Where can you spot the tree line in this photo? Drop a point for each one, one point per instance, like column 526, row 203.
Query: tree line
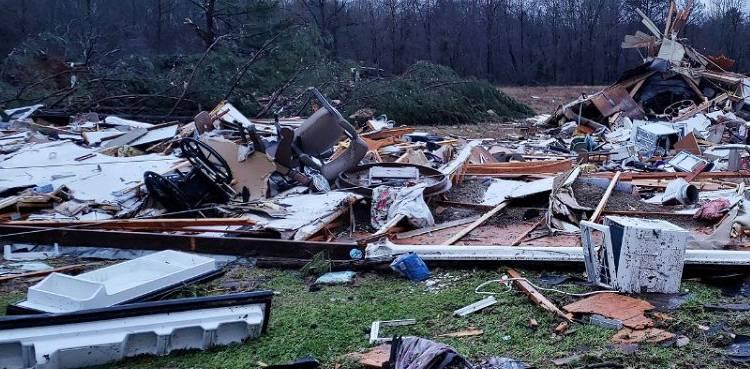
column 532, row 42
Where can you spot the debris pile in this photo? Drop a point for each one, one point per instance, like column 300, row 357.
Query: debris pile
column 636, row 183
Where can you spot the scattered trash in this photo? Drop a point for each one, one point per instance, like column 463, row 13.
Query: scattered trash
column 713, row 210
column 567, row 360
column 666, row 301
column 648, row 175
column 682, row 341
column 10, row 254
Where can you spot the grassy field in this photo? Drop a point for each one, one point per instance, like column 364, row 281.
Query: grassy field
column 334, row 321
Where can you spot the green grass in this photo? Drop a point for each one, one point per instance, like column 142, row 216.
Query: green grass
column 7, row 299
column 334, row 321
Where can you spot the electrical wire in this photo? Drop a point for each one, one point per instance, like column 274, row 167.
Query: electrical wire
column 503, row 281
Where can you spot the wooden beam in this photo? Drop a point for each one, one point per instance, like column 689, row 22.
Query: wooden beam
column 476, row 223
column 526, row 167
column 527, row 232
column 436, row 227
column 535, row 296
column 136, row 223
column 603, row 203
column 236, row 246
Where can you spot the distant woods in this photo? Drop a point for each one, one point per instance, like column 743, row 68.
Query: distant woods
column 505, row 41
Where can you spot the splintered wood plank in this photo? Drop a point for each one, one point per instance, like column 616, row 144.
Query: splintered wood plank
column 435, row 228
column 603, row 203
column 476, row 223
column 466, row 333
column 522, row 237
column 535, row 296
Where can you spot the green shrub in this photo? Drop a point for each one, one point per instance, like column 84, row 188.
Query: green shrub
column 432, row 94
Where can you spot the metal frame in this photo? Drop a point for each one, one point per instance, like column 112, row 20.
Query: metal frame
column 99, row 336
column 600, row 263
column 552, row 254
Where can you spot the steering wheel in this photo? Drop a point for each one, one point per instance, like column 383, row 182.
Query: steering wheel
column 206, row 160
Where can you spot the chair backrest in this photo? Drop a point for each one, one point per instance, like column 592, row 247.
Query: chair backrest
column 347, row 160
column 318, row 133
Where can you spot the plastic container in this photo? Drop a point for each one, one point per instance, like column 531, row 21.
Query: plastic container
column 411, row 266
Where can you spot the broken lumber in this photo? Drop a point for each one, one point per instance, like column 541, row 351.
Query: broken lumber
column 465, row 333
column 516, row 168
column 603, row 203
column 527, row 232
column 390, row 132
column 476, row 223
column 435, row 228
column 535, row 296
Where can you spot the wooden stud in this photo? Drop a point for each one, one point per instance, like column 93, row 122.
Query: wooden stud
column 535, row 296
column 476, row 223
column 603, row 203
